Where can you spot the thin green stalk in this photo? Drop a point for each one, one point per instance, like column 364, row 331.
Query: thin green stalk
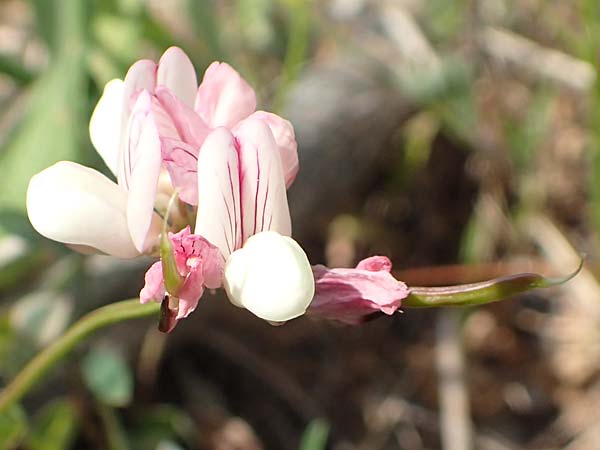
column 43, row 361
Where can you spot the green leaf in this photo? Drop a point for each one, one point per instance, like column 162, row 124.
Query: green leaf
column 315, row 435
column 13, row 426
column 42, row 315
column 480, row 293
column 108, row 376
column 54, row 427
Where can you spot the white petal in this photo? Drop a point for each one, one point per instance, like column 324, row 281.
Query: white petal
column 77, row 205
column 218, row 216
column 143, row 223
column 263, row 193
column 106, row 123
column 271, row 277
column 176, row 72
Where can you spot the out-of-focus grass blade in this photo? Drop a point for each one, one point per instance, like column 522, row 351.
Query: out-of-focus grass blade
column 300, row 22
column 315, row 435
column 54, row 427
column 53, row 128
column 480, row 293
column 205, row 20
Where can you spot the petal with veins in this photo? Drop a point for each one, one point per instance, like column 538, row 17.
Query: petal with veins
column 270, row 276
column 262, row 187
column 224, row 97
column 106, row 123
column 77, row 205
column 176, row 72
column 181, row 161
column 283, row 132
column 218, row 218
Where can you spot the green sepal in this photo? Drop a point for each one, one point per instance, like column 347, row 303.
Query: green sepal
column 172, row 279
column 482, row 292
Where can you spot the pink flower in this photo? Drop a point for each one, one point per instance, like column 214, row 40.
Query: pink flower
column 198, row 264
column 351, row 295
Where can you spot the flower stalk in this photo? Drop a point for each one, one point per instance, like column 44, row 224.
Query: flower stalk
column 84, row 327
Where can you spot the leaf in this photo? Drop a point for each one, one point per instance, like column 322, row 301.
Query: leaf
column 42, row 315
column 108, row 376
column 13, row 426
column 315, row 435
column 480, row 293
column 54, row 427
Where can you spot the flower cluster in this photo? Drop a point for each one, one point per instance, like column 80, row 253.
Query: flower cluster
column 227, row 166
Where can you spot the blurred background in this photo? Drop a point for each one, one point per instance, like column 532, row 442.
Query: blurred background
column 460, row 138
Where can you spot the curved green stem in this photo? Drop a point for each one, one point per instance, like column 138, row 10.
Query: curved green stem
column 43, row 361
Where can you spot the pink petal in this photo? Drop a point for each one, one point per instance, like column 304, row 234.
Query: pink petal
column 351, row 295
column 262, row 187
column 200, row 263
column 283, row 132
column 190, row 127
column 181, row 161
column 375, row 264
column 176, row 72
column 154, row 288
column 224, row 98
column 218, row 217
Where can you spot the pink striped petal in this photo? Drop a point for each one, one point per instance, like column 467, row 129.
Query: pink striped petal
column 224, row 98
column 262, row 187
column 218, row 216
column 176, row 72
column 283, row 132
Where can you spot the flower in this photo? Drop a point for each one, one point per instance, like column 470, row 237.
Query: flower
column 186, row 155
column 352, row 295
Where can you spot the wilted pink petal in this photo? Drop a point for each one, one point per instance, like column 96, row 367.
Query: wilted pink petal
column 154, row 289
column 350, row 295
column 224, row 97
column 375, row 263
column 198, row 262
column 283, row 132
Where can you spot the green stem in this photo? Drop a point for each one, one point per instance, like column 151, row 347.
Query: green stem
column 43, row 361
